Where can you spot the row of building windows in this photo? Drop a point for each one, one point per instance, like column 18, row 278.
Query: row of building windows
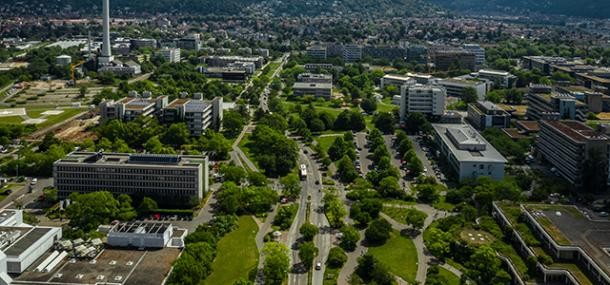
column 113, row 183
column 80, row 169
column 65, row 191
column 98, row 176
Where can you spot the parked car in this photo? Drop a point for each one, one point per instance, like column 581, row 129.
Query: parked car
column 318, row 265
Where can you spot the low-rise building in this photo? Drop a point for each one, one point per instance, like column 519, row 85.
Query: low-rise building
column 228, row 74
column 567, row 144
column 468, row 153
column 417, row 54
column 499, row 79
column 485, row 114
column 545, row 104
column 143, row 43
column 395, row 80
column 171, row 179
column 144, row 235
column 425, row 99
column 323, row 90
column 315, row 78
column 130, row 108
column 225, row 61
column 457, row 87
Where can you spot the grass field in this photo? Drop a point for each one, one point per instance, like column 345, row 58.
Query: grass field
column 327, row 141
column 398, row 214
column 476, row 238
column 331, row 275
column 442, row 205
column 11, row 120
column 386, row 105
column 237, row 254
column 399, row 255
column 451, row 278
column 52, row 120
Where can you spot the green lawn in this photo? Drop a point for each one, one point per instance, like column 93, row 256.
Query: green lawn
column 386, row 105
column 326, row 141
column 237, row 254
column 331, row 275
column 399, row 255
column 244, row 146
column 52, row 120
column 398, row 214
column 443, row 205
column 13, row 120
column 451, row 278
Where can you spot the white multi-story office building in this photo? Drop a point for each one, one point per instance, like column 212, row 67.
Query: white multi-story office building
column 171, row 55
column 425, row 99
column 457, row 87
column 323, row 90
column 171, row 179
column 315, row 78
column 499, row 79
column 468, row 153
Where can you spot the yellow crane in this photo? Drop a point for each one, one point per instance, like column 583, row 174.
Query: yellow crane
column 73, row 71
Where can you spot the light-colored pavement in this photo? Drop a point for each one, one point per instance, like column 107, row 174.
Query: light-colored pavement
column 263, row 229
column 240, row 153
column 352, row 262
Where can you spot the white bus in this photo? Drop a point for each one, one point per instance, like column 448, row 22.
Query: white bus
column 303, row 172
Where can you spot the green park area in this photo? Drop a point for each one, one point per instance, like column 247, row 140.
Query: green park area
column 326, row 141
column 398, row 254
column 451, row 278
column 36, row 112
column 237, row 254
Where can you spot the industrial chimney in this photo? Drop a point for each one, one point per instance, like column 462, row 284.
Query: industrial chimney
column 106, row 57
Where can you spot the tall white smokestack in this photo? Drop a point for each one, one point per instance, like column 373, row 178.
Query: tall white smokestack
column 106, row 52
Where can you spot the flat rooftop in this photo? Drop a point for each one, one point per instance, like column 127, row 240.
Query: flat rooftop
column 26, row 240
column 114, row 266
column 397, row 77
column 307, row 85
column 6, row 214
column 141, row 227
column 575, row 130
column 569, row 226
column 466, row 144
column 132, row 159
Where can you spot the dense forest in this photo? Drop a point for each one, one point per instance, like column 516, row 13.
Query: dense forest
column 583, row 8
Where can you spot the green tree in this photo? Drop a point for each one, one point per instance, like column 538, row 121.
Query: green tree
column 350, row 238
column 309, row 231
column 88, row 211
column 233, row 173
column 346, row 170
column 336, row 257
column 333, row 207
column 217, row 146
column 233, row 122
column 388, row 187
column 291, row 185
column 427, row 193
column 439, row 242
column 307, row 253
column 378, row 232
column 415, row 218
column 384, row 122
column 177, row 135
column 126, row 210
column 257, row 178
column 369, row 105
column 277, row 263
column 147, row 205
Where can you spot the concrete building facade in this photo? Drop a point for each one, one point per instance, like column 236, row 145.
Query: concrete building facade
column 567, row 144
column 171, row 179
column 468, row 153
column 485, row 114
column 425, row 99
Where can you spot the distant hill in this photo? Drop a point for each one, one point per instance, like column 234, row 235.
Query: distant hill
column 226, row 7
column 580, row 8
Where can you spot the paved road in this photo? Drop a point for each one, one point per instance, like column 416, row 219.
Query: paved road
column 323, row 239
column 352, row 262
column 263, row 229
column 265, row 96
column 365, row 162
column 23, row 196
column 298, row 276
column 238, row 153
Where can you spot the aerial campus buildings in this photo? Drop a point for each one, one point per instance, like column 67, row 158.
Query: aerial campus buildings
column 467, row 153
column 170, row 179
column 198, row 114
